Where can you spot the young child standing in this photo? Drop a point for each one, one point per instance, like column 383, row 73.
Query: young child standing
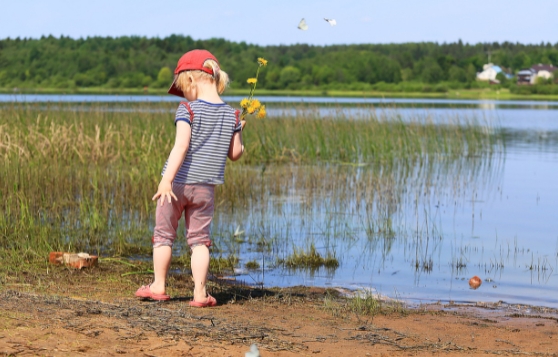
column 207, row 132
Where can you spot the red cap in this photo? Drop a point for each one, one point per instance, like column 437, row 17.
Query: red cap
column 191, row 61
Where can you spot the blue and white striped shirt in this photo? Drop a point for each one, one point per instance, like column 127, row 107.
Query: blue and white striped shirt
column 213, row 126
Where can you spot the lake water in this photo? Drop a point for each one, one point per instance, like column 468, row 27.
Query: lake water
column 416, row 233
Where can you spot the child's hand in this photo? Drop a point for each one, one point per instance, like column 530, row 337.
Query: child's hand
column 243, row 123
column 164, row 191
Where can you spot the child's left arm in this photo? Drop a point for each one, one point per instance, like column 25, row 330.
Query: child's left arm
column 176, row 157
column 236, row 148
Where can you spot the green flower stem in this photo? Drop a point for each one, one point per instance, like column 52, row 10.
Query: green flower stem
column 255, row 84
column 244, row 111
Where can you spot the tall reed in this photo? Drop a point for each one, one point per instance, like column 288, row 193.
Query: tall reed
column 307, row 137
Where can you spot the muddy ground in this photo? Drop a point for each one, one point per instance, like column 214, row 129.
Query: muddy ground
column 57, row 311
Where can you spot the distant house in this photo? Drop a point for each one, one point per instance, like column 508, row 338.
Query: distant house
column 545, row 71
column 530, row 75
column 489, row 73
column 526, row 76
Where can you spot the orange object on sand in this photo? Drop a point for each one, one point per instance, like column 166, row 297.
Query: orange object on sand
column 74, row 260
column 475, row 282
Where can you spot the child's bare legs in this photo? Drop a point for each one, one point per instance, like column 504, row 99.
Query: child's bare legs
column 161, row 262
column 200, row 268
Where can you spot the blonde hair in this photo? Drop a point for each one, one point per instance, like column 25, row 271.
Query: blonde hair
column 186, row 79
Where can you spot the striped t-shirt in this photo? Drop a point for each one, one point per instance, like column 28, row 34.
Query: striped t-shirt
column 213, row 126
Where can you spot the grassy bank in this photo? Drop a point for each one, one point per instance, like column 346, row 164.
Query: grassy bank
column 482, row 93
column 81, row 178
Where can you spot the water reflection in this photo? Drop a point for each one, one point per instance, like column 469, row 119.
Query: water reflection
column 370, row 217
column 381, row 101
column 534, row 140
column 415, row 229
column 516, row 115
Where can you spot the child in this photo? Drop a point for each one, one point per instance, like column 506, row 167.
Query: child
column 207, row 132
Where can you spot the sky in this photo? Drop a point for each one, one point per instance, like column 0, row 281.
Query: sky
column 275, row 22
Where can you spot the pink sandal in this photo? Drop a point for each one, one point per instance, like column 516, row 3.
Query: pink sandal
column 145, row 293
column 211, row 301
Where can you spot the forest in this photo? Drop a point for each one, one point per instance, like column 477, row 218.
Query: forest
column 140, row 62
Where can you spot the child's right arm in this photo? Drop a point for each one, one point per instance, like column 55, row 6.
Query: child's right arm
column 176, row 157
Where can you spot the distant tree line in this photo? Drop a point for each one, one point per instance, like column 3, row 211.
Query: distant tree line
column 132, row 62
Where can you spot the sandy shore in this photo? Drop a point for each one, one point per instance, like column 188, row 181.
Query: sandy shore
column 65, row 312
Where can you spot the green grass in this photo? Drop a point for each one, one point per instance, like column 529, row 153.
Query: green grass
column 367, row 304
column 252, row 265
column 478, row 93
column 363, row 303
column 81, row 177
column 310, row 259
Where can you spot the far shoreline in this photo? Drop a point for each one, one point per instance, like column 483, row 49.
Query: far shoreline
column 466, row 94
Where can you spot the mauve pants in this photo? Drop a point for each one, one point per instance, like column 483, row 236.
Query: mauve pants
column 196, row 201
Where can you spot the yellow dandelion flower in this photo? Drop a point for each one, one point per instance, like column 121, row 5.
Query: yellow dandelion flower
column 261, row 113
column 256, row 104
column 250, row 105
column 262, row 61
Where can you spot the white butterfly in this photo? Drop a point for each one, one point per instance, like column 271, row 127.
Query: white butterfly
column 332, row 22
column 302, row 25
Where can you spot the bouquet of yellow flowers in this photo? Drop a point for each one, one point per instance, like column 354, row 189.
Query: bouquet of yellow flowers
column 251, row 105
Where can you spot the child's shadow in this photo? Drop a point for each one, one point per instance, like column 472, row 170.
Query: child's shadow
column 227, row 294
